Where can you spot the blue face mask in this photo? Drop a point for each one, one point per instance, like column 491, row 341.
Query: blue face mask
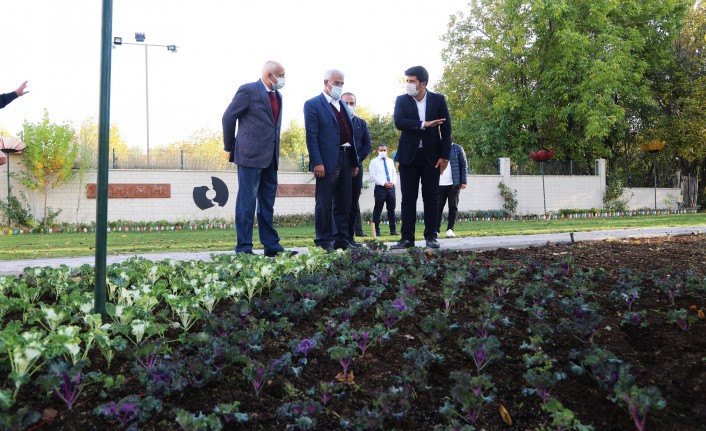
column 279, row 84
column 336, row 92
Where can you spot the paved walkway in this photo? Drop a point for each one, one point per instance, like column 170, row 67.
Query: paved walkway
column 13, row 267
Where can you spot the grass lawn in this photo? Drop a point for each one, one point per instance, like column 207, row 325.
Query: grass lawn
column 29, row 246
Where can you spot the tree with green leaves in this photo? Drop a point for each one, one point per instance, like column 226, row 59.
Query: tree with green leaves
column 569, row 75
column 679, row 117
column 292, row 144
column 49, row 157
column 382, row 130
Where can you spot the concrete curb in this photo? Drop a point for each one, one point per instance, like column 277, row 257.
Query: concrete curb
column 15, row 267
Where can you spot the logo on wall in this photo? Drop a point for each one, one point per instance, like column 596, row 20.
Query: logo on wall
column 206, row 197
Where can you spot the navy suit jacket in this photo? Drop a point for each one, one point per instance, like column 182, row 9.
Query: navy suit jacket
column 363, row 141
column 323, row 137
column 258, row 134
column 436, row 141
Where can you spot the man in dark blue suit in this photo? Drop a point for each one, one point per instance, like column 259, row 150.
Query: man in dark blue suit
column 334, row 161
column 256, row 108
column 363, row 146
column 423, row 153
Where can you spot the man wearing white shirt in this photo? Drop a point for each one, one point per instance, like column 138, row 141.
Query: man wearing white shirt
column 383, row 174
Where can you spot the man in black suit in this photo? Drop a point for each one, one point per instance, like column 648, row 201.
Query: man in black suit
column 363, row 146
column 423, row 153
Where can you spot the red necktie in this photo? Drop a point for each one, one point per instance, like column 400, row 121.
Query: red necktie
column 274, row 104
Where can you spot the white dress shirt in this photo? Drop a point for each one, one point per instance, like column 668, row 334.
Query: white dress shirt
column 377, row 170
column 422, row 110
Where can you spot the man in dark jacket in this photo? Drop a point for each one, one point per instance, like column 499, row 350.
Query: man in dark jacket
column 9, row 97
column 423, row 153
column 451, row 182
column 363, row 146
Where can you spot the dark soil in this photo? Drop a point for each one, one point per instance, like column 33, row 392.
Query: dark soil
column 660, row 355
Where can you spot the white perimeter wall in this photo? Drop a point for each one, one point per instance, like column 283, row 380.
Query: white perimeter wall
column 581, row 192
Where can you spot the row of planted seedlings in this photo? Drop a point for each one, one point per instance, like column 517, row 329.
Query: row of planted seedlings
column 570, row 290
column 161, row 335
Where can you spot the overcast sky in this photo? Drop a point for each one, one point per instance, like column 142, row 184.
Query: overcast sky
column 221, row 45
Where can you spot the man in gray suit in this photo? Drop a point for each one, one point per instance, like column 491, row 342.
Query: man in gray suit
column 256, row 108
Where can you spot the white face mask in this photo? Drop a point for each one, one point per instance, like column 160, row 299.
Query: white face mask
column 279, row 84
column 412, row 90
column 351, row 109
column 382, row 153
column 336, row 92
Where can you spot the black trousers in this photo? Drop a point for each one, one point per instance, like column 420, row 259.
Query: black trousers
column 354, row 225
column 333, row 202
column 449, row 193
column 410, row 177
column 384, row 196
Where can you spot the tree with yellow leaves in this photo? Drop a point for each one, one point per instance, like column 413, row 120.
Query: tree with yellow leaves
column 49, row 157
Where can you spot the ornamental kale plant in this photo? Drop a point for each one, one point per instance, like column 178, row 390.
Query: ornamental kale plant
column 197, row 422
column 483, row 351
column 366, row 337
column 473, row 393
column 562, row 417
column 671, row 284
column 130, row 409
column 540, row 374
column 628, row 288
column 303, row 412
column 343, row 355
column 257, row 374
column 682, row 318
column 583, row 317
column 65, row 381
column 603, row 366
column 436, row 325
column 638, row 400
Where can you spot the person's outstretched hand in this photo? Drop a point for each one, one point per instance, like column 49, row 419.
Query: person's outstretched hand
column 21, row 90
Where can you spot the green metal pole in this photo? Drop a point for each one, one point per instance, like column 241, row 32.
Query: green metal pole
column 103, row 160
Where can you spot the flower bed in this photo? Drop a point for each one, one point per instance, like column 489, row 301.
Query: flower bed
column 608, row 335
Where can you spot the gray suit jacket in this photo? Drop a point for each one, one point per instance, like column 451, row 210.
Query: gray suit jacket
column 257, row 140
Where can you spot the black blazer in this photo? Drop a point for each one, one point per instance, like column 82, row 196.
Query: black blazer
column 436, row 141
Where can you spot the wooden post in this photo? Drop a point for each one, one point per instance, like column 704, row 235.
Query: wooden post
column 372, row 226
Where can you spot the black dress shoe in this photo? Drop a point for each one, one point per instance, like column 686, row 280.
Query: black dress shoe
column 345, row 245
column 327, row 248
column 402, row 244
column 432, row 243
column 355, row 244
column 244, row 252
column 279, row 252
column 361, row 234
column 394, row 233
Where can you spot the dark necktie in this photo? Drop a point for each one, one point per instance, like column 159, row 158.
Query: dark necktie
column 274, row 104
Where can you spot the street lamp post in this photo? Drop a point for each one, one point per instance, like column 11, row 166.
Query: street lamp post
column 140, row 39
